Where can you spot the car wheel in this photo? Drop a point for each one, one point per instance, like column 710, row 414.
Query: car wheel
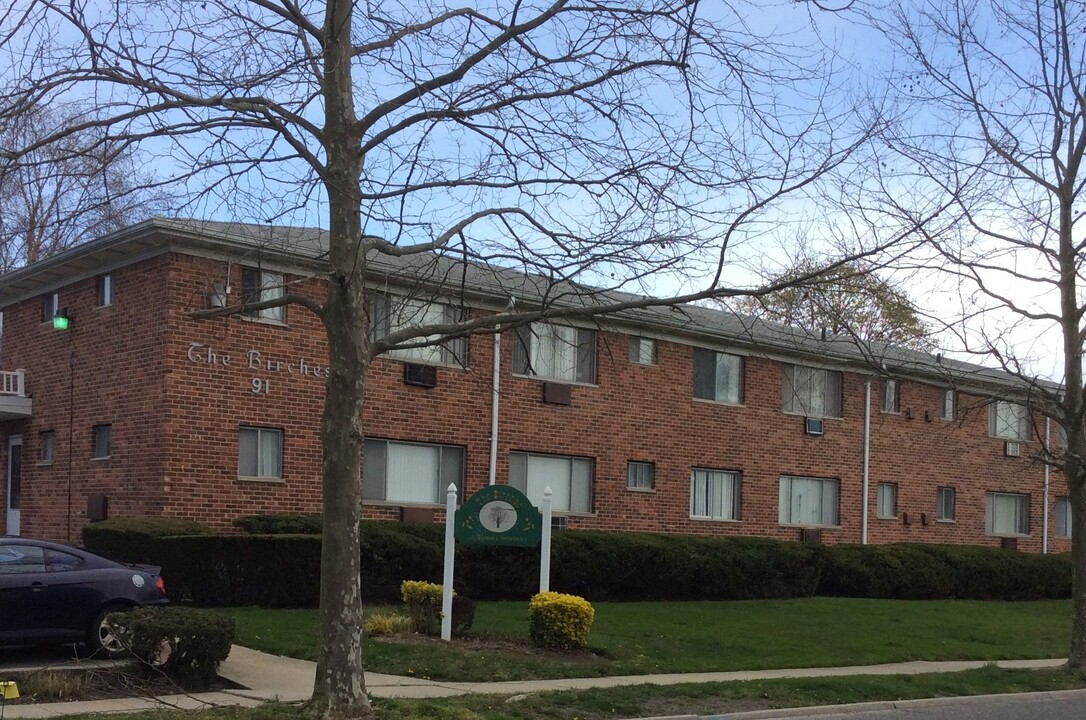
column 102, row 638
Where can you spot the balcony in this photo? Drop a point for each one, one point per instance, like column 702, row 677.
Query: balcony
column 14, row 403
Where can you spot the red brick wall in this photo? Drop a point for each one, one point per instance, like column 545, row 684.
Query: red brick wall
column 183, row 417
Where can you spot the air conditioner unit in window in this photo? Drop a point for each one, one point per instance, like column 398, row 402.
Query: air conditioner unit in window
column 810, row 536
column 812, row 426
column 421, row 375
column 1012, row 449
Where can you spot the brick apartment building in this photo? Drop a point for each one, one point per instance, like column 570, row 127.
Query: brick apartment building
column 682, row 420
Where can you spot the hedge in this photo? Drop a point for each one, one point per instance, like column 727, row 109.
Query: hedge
column 280, row 570
column 132, row 539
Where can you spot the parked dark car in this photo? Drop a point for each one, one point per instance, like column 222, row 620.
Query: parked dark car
column 54, row 594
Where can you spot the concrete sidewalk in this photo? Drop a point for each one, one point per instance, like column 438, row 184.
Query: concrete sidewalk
column 266, row 677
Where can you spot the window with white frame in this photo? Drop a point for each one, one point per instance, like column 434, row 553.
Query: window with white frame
column 1008, row 420
column 411, row 473
column 812, row 392
column 569, row 478
column 948, row 403
column 103, row 442
column 260, row 452
column 1063, row 517
column 1006, row 513
column 50, row 306
column 714, row 494
column 944, row 503
column 640, row 475
column 390, row 313
column 890, row 395
column 555, row 352
column 718, row 376
column 887, row 500
column 263, row 286
column 104, row 286
column 808, row 501
column 47, row 443
column 642, row 350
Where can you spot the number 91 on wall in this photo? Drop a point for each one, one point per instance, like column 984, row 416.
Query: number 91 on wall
column 260, row 386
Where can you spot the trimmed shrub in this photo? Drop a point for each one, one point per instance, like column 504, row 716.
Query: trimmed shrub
column 559, row 621
column 183, row 643
column 423, row 600
column 133, row 539
column 385, row 624
column 280, row 524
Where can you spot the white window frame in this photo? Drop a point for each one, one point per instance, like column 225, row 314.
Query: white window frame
column 571, row 479
column 821, row 496
column 50, row 306
column 560, row 353
column 715, row 494
column 890, row 396
column 811, row 392
column 411, row 473
column 272, row 287
column 642, row 350
column 1006, row 514
column 390, row 313
column 1008, row 421
column 948, row 404
column 105, row 289
column 886, row 502
column 262, row 436
column 1062, row 525
column 940, row 504
column 100, row 433
column 718, row 376
column 640, row 476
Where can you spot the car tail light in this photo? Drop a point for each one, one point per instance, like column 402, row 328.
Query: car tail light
column 160, row 584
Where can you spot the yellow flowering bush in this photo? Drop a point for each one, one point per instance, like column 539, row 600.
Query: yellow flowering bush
column 559, row 621
column 423, row 600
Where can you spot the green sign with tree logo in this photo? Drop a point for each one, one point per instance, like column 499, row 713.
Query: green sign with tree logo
column 499, row 515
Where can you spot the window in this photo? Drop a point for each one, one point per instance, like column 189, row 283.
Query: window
column 890, row 395
column 260, row 452
column 1063, row 517
column 887, row 500
column 46, row 447
column 808, row 501
column 405, row 472
column 640, row 475
column 811, row 391
column 103, row 442
column 570, row 480
column 390, row 313
column 1008, row 420
column 948, row 402
column 718, row 376
column 259, row 286
column 555, row 352
column 714, row 494
column 1006, row 514
column 642, row 351
column 50, row 306
column 105, row 289
column 944, row 503
column 57, row 561
column 19, row 559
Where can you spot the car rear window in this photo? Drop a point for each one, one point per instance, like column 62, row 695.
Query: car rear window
column 56, row 561
column 21, row 559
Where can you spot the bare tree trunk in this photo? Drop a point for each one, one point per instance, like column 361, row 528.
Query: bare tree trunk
column 340, row 688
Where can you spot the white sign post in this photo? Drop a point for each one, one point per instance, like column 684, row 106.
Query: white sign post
column 545, row 543
column 450, row 555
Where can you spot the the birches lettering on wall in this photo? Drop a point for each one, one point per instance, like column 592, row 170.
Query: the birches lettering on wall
column 255, row 360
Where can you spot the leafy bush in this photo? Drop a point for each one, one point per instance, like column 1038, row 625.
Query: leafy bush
column 133, row 539
column 559, row 621
column 280, row 524
column 423, row 600
column 385, row 624
column 184, row 643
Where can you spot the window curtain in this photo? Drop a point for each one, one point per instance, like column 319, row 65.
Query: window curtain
column 714, row 494
column 412, row 472
column 808, row 501
column 1006, row 514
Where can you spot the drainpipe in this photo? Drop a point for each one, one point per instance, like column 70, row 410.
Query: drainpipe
column 867, row 458
column 1044, row 524
column 495, row 396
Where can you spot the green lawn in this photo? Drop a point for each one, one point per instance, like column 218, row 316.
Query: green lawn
column 640, row 638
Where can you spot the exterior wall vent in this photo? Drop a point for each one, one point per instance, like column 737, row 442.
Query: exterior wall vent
column 812, row 426
column 557, row 394
column 810, row 536
column 559, row 522
column 1012, row 449
column 420, row 375
column 1008, row 543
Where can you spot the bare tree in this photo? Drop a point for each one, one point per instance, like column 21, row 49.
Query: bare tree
column 60, row 194
column 997, row 92
column 557, row 151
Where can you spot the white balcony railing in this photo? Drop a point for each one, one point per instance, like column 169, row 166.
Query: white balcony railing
column 12, row 383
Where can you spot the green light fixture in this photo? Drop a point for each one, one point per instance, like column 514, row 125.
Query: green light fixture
column 61, row 320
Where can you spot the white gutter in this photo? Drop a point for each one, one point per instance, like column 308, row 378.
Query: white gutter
column 867, row 458
column 495, row 396
column 1048, row 452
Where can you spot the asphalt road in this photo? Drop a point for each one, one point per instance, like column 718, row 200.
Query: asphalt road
column 51, row 656
column 1063, row 705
